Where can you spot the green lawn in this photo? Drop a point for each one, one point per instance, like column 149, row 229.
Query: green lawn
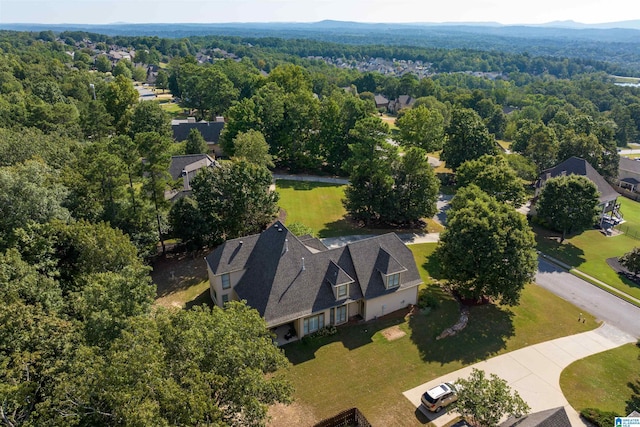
column 608, row 387
column 359, row 367
column 589, row 250
column 316, row 205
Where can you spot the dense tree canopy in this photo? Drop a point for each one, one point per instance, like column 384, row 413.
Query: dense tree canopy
column 422, row 127
column 494, row 176
column 234, row 199
column 467, row 138
column 568, row 203
column 484, row 401
column 487, row 249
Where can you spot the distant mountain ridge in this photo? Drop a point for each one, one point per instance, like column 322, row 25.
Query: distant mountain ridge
column 617, row 42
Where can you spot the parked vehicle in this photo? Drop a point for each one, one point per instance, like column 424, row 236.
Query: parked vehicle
column 439, row 397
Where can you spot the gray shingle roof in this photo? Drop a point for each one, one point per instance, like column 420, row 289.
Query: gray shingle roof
column 629, row 165
column 282, row 286
column 180, row 163
column 555, row 417
column 210, row 130
column 577, row 166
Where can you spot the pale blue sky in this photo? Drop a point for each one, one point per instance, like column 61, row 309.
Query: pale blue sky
column 216, row 11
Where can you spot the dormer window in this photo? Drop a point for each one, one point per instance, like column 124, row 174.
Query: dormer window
column 226, row 281
column 393, row 280
column 342, row 291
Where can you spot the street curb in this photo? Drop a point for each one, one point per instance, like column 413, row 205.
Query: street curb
column 589, row 279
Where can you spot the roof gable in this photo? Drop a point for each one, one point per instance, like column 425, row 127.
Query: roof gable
column 284, row 279
column 629, row 165
column 577, row 166
column 188, row 163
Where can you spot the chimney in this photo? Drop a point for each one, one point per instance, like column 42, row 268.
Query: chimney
column 303, row 264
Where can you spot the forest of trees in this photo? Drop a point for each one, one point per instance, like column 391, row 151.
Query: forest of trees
column 84, row 167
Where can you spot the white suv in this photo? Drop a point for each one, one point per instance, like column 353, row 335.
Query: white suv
column 438, row 397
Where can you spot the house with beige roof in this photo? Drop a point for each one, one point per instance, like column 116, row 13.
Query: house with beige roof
column 300, row 283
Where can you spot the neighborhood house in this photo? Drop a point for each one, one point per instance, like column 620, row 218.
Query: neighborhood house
column 185, row 167
column 299, row 283
column 577, row 166
column 210, row 131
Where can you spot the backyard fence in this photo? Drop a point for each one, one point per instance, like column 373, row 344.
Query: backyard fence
column 631, row 232
column 350, row 417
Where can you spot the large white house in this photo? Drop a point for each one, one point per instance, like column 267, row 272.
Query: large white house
column 297, row 281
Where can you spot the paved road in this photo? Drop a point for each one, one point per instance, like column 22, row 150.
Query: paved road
column 534, row 371
column 592, row 299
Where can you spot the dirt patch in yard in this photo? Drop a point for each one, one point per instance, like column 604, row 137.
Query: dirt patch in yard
column 295, row 414
column 174, row 272
column 393, row 333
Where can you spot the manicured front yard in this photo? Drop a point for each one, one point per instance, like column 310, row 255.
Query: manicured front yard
column 589, row 250
column 359, row 367
column 608, row 384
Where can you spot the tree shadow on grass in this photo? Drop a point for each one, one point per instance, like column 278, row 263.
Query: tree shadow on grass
column 342, row 227
column 203, row 298
column 487, row 332
column 303, row 185
column 549, row 243
column 432, row 265
column 351, row 336
column 633, row 404
column 627, row 277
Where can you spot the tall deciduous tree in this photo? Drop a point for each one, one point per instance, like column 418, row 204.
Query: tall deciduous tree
column 29, row 192
column 484, row 401
column 371, row 183
column 252, row 147
column 415, row 189
column 467, row 138
column 569, row 203
column 488, row 249
column 234, row 199
column 631, row 261
column 119, row 97
column 149, row 117
column 422, row 127
column 494, row 176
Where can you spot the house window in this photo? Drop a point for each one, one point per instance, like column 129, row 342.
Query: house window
column 341, row 291
column 226, row 281
column 393, row 281
column 313, row 324
column 341, row 314
column 225, row 298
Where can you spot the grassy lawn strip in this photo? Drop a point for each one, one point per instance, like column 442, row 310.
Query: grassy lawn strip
column 607, row 386
column 611, row 291
column 588, row 252
column 359, row 367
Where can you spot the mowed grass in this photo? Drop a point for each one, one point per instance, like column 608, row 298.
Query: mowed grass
column 316, row 205
column 183, row 297
column 608, row 386
column 589, row 250
column 359, row 367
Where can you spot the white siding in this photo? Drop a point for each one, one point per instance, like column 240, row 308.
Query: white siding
column 215, row 283
column 389, row 303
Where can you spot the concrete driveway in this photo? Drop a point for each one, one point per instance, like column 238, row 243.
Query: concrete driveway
column 534, row 371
